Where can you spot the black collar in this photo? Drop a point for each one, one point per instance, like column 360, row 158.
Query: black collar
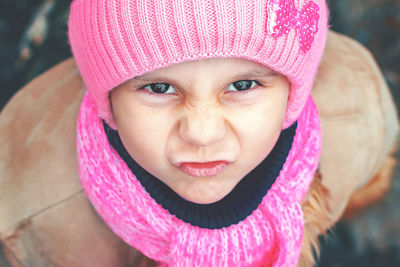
column 234, row 207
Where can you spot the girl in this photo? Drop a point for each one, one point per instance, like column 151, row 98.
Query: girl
column 198, row 137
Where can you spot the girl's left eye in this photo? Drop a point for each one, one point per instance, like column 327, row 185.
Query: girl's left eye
column 159, row 88
column 242, row 85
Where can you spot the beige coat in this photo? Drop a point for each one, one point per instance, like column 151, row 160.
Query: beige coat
column 46, row 219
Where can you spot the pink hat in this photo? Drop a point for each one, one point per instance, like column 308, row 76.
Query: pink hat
column 114, row 41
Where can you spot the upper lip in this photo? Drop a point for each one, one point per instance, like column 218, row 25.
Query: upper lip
column 178, row 164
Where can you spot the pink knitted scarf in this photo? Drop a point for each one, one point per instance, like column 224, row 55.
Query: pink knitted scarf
column 270, row 236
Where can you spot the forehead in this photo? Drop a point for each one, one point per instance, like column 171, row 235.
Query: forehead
column 222, row 66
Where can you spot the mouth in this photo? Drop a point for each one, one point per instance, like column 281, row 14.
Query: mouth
column 203, row 169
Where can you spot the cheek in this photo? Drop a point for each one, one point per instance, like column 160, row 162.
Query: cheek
column 262, row 118
column 259, row 128
column 143, row 132
column 145, row 143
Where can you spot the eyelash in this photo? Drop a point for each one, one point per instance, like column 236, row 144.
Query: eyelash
column 257, row 83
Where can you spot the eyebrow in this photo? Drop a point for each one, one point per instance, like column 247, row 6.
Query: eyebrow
column 257, row 73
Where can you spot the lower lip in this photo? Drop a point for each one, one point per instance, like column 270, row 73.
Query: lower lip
column 204, row 169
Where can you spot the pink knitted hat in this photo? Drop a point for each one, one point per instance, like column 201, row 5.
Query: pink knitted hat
column 114, row 41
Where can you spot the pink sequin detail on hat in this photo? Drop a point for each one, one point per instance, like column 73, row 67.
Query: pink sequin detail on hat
column 283, row 16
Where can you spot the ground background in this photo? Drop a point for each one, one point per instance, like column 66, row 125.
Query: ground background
column 370, row 239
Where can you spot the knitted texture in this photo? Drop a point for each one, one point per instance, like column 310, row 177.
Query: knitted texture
column 114, row 41
column 270, row 236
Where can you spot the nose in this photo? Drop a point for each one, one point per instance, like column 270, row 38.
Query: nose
column 202, row 128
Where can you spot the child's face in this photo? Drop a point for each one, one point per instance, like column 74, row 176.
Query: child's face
column 193, row 112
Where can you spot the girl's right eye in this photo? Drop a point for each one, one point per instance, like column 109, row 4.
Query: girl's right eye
column 159, row 88
column 242, row 85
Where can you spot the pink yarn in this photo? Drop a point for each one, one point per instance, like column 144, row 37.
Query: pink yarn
column 270, row 236
column 114, row 41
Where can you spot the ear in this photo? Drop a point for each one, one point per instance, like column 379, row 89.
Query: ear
column 113, row 123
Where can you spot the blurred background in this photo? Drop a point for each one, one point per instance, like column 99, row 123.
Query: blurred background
column 33, row 39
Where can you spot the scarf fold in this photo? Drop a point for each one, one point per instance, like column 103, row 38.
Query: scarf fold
column 270, row 235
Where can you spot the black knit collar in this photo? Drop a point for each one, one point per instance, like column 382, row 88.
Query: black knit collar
column 234, row 207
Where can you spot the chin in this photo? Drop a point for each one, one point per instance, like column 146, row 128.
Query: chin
column 205, row 195
column 198, row 199
column 206, row 200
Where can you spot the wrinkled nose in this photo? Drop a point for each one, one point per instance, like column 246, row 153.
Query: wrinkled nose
column 202, row 128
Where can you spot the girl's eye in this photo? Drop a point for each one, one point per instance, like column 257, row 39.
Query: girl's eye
column 159, row 88
column 242, row 85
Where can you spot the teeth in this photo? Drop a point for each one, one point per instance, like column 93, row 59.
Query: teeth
column 204, row 171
